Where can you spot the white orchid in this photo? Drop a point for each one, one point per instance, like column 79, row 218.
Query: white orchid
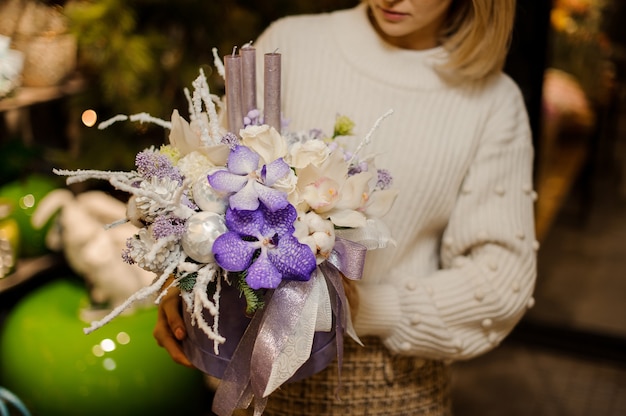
column 379, row 202
column 187, row 138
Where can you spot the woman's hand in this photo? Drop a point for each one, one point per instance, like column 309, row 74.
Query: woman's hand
column 169, row 329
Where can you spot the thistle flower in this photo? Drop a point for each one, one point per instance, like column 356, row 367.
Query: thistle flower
column 152, row 164
column 166, row 226
column 230, row 139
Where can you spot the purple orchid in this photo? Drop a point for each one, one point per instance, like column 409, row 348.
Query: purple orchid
column 248, row 184
column 261, row 242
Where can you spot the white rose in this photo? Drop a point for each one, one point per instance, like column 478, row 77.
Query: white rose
column 313, row 152
column 287, row 183
column 266, row 141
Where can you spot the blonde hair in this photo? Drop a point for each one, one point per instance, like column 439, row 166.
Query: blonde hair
column 478, row 35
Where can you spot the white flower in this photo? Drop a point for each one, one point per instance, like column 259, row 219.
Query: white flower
column 321, row 195
column 347, row 212
column 316, row 232
column 319, row 186
column 182, row 137
column 187, row 138
column 265, row 141
column 287, row 184
column 313, row 152
column 194, row 164
column 379, row 203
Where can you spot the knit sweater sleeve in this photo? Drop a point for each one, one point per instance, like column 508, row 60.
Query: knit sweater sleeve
column 487, row 255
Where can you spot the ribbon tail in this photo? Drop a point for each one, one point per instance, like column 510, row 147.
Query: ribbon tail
column 259, row 405
column 280, row 318
column 298, row 344
column 333, row 277
column 235, row 389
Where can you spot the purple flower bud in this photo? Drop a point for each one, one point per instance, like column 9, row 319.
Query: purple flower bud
column 385, row 180
column 166, row 226
column 151, row 163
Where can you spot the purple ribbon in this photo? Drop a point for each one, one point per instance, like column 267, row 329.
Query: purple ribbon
column 248, row 372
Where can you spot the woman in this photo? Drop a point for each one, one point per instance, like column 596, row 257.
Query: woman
column 459, row 148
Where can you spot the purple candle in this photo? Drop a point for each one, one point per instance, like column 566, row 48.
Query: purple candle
column 248, row 65
column 271, row 94
column 232, row 66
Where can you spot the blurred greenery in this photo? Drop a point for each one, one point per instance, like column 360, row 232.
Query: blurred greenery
column 143, row 52
column 139, row 55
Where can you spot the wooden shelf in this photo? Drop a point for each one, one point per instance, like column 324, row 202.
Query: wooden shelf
column 27, row 96
column 27, row 269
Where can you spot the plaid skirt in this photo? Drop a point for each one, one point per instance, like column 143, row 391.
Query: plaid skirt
column 373, row 382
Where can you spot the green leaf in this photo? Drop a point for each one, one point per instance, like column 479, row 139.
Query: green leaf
column 187, row 283
column 254, row 298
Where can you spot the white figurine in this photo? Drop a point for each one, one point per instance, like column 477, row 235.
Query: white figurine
column 93, row 250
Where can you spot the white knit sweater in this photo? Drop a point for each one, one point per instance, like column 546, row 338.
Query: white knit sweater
column 463, row 271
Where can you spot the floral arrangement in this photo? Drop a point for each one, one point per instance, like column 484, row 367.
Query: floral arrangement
column 281, row 217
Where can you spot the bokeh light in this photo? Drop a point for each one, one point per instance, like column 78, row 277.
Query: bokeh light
column 89, row 118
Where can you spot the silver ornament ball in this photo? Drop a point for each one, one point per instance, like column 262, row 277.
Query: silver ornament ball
column 207, row 198
column 202, row 230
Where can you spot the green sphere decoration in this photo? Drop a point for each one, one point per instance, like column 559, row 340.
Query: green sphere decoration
column 55, row 369
column 22, row 198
